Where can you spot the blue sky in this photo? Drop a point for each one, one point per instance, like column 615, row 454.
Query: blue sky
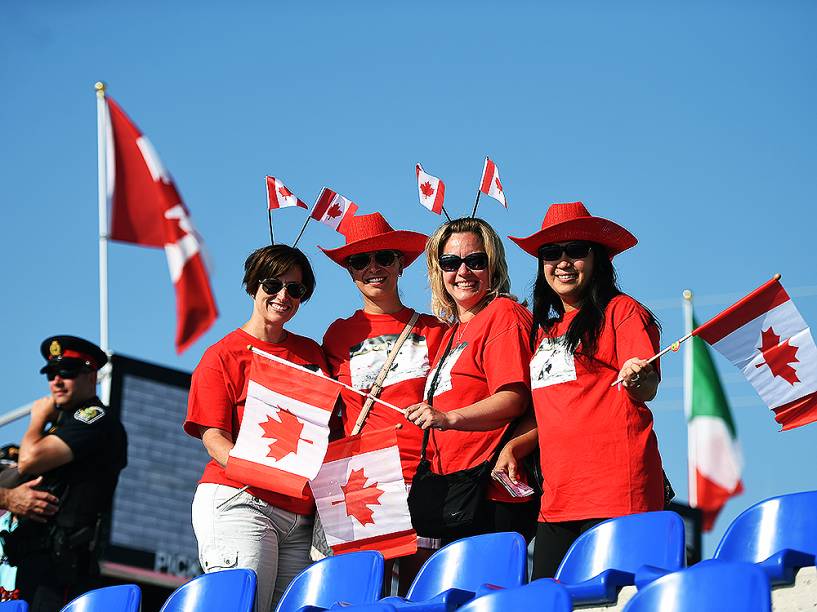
column 690, row 123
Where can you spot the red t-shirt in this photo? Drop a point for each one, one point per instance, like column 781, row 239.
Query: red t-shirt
column 598, row 450
column 489, row 352
column 356, row 349
column 218, row 392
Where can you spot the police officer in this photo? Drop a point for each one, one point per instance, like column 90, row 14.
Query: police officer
column 78, row 447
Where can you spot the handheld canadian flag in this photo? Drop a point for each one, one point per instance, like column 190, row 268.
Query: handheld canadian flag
column 766, row 338
column 431, row 190
column 278, row 196
column 284, row 430
column 333, row 209
column 490, row 184
column 361, row 496
column 147, row 210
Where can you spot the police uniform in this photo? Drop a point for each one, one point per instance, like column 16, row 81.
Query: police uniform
column 57, row 560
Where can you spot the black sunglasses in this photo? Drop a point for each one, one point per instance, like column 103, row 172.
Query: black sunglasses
column 574, row 250
column 66, row 373
column 360, row 261
column 272, row 286
column 474, row 261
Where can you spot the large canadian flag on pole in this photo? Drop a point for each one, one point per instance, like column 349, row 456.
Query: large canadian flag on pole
column 766, row 338
column 490, row 184
column 284, row 430
column 146, row 209
column 361, row 496
column 333, row 209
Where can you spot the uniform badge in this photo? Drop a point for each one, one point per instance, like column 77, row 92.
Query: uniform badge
column 89, row 414
column 55, row 349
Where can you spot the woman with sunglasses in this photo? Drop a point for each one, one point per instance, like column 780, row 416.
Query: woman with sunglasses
column 598, row 452
column 357, row 347
column 483, row 382
column 256, row 529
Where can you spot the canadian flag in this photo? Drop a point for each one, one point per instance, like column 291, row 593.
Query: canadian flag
column 333, row 209
column 278, row 196
column 431, row 190
column 361, row 496
column 146, row 209
column 766, row 338
column 490, row 183
column 284, row 430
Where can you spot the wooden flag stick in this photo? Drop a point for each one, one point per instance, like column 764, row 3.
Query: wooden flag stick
column 232, row 497
column 271, row 234
column 301, row 233
column 337, row 382
column 476, row 203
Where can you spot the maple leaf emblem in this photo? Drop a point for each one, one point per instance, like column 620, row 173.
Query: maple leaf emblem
column 284, row 191
column 427, row 189
column 286, row 433
column 334, row 211
column 498, row 184
column 778, row 356
column 359, row 497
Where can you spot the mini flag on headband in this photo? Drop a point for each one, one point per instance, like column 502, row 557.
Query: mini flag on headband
column 279, row 196
column 490, row 184
column 765, row 336
column 333, row 209
column 431, row 190
column 285, row 426
column 361, row 496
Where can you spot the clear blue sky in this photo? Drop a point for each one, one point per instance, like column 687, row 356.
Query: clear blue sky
column 691, row 123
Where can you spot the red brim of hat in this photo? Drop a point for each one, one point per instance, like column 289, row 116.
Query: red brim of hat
column 410, row 244
column 592, row 229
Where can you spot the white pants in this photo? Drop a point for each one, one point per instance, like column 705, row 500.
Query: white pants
column 250, row 533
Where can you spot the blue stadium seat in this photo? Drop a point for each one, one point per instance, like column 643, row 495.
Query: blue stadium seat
column 351, row 578
column 632, row 549
column 226, row 591
column 124, row 598
column 14, row 605
column 544, row 594
column 779, row 534
column 709, row 586
column 453, row 574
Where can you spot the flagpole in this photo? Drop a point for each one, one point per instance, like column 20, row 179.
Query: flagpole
column 301, row 233
column 688, row 326
column 476, row 203
column 271, row 234
column 445, row 212
column 102, row 198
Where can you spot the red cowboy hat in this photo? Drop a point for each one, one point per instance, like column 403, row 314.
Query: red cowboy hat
column 572, row 221
column 365, row 233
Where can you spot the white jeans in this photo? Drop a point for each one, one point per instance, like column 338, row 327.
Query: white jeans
column 250, row 533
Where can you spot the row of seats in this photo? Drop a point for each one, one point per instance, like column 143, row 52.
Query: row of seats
column 764, row 546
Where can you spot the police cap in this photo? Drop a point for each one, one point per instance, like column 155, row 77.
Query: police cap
column 71, row 352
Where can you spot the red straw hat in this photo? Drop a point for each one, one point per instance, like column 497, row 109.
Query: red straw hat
column 572, row 221
column 365, row 233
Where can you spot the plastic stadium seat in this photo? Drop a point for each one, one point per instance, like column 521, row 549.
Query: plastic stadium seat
column 124, row 598
column 226, row 591
column 13, row 605
column 351, row 578
column 544, row 594
column 779, row 534
column 452, row 575
column 709, row 586
column 632, row 549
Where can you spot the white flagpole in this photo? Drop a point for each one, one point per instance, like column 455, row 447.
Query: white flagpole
column 102, row 197
column 688, row 326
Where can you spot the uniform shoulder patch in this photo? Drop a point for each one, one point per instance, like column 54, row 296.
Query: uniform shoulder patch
column 89, row 414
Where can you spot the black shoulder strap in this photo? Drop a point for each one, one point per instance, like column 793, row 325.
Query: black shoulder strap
column 433, row 387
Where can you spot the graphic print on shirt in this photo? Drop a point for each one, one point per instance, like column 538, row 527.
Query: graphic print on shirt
column 552, row 364
column 444, row 381
column 367, row 358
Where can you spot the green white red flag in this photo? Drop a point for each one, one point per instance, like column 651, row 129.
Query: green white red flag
column 714, row 455
column 765, row 336
column 361, row 496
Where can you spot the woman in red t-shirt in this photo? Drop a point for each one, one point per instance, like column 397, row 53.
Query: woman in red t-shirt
column 357, row 347
column 598, row 452
column 256, row 529
column 484, row 381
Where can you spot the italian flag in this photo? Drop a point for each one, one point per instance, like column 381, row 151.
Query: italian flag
column 715, row 460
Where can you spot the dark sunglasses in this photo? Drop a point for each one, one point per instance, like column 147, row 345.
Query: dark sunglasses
column 65, row 373
column 272, row 286
column 360, row 261
column 574, row 250
column 474, row 261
